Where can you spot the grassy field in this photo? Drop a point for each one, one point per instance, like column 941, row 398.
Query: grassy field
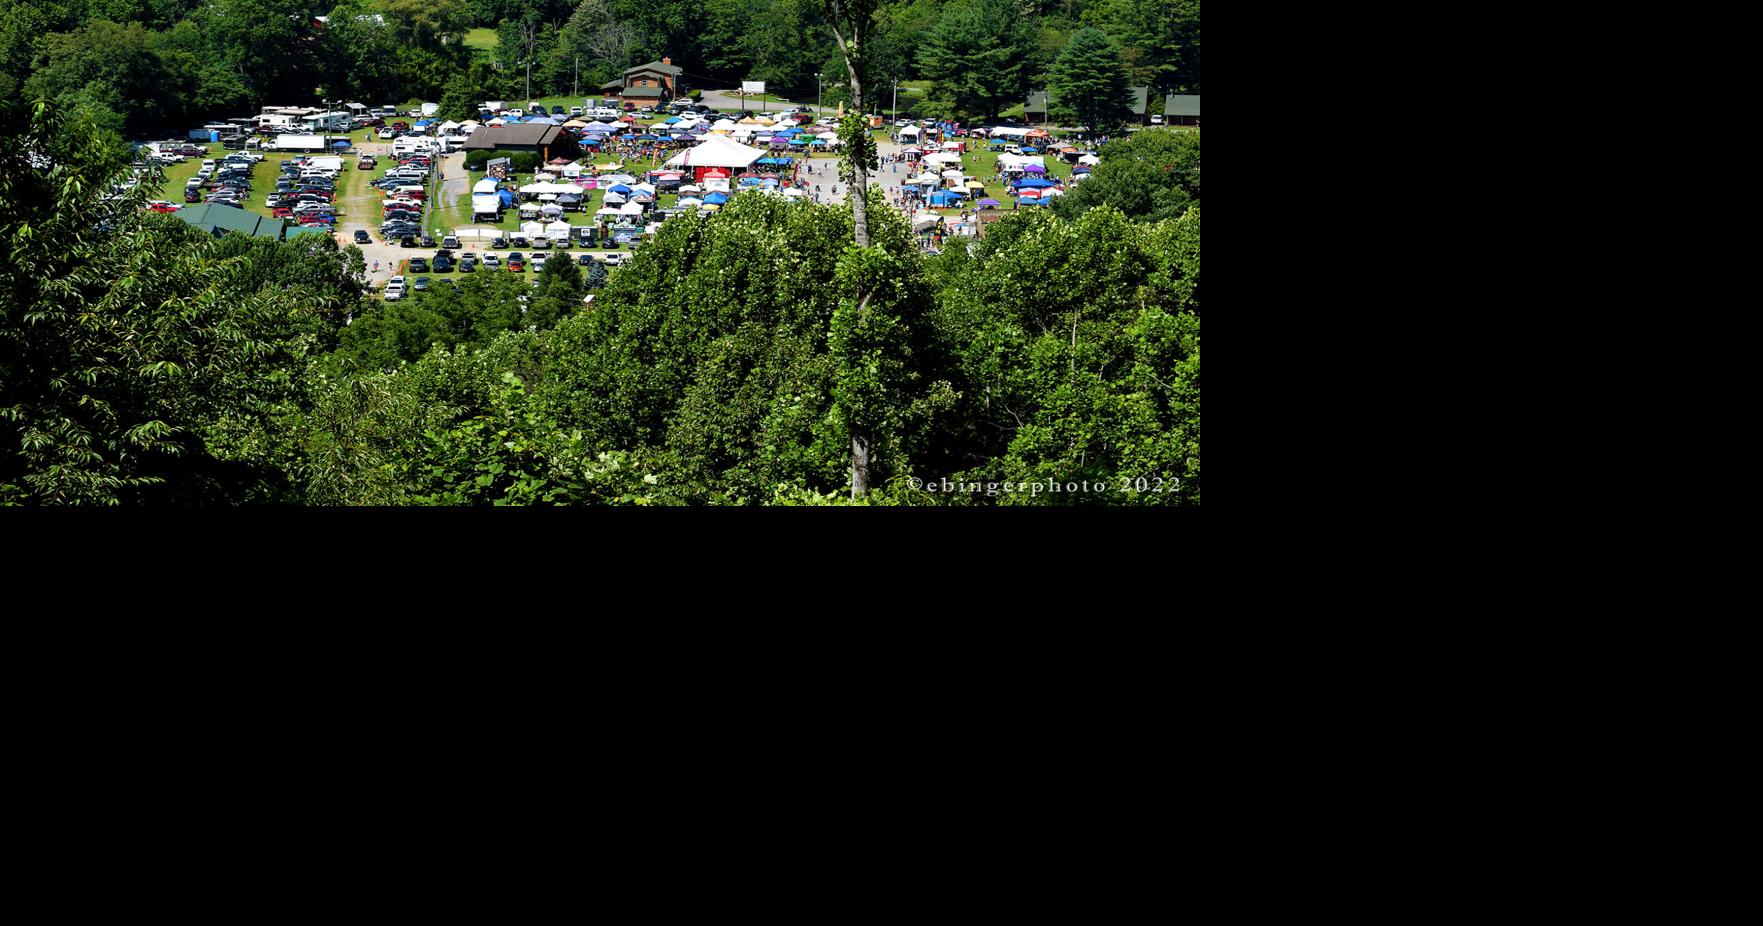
column 482, row 38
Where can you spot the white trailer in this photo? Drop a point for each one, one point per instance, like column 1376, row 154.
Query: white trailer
column 299, row 143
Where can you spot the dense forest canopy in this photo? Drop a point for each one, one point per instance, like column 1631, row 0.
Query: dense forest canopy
column 146, row 67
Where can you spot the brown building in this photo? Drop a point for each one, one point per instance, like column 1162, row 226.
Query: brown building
column 646, row 83
column 533, row 137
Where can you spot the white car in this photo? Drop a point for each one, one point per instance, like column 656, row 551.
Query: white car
column 385, row 134
column 1157, row 120
column 614, row 259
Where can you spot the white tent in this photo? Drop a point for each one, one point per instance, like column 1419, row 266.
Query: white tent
column 648, row 188
column 1018, row 162
column 630, row 209
column 612, row 179
column 572, row 170
column 828, row 136
column 486, row 205
column 614, row 199
column 943, row 158
column 557, row 230
column 953, row 175
column 716, row 151
column 1089, row 159
column 1009, row 133
column 1052, row 191
column 529, row 210
column 951, row 146
column 449, row 126
column 485, row 185
column 531, row 229
column 547, row 197
column 923, row 178
column 690, row 188
column 791, row 192
column 723, row 125
column 911, row 130
column 690, row 201
column 463, row 233
column 609, row 212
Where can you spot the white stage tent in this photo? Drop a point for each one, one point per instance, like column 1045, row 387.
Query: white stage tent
column 716, row 151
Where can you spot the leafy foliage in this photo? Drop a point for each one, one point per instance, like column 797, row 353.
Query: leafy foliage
column 1150, row 176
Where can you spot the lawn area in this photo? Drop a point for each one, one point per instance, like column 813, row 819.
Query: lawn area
column 482, row 38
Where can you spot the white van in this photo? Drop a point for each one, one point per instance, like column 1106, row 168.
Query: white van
column 606, row 113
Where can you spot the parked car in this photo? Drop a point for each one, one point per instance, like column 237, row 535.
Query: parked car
column 419, row 265
column 361, row 236
column 499, row 242
column 541, row 242
column 443, row 264
column 385, row 135
column 408, row 242
column 421, row 284
column 1157, row 119
column 468, row 266
column 520, row 241
column 585, row 260
column 428, row 242
column 538, row 262
column 493, row 261
column 516, row 262
column 450, row 241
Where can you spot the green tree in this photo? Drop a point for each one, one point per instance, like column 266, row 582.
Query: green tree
column 1095, row 379
column 1149, row 176
column 139, row 361
column 981, row 56
column 1090, row 80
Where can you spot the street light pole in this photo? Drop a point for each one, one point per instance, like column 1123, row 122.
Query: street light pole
column 817, row 91
column 896, row 99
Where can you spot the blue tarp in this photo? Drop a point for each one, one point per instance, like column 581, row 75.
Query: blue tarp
column 507, row 197
column 339, row 144
column 619, row 188
column 781, row 162
column 1027, row 201
column 671, row 120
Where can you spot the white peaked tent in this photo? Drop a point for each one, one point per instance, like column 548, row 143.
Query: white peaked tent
column 1089, row 159
column 911, row 130
column 943, row 158
column 723, row 125
column 532, row 229
column 615, row 179
column 486, row 205
column 630, row 209
column 953, row 175
column 648, row 188
column 614, row 199
column 485, row 185
column 716, row 151
column 448, row 126
column 828, row 136
column 557, row 230
column 608, row 212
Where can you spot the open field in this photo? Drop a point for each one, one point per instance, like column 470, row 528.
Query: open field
column 482, row 38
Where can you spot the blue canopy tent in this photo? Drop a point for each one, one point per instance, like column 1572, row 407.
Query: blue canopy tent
column 716, row 199
column 945, row 198
column 1029, row 201
column 768, row 182
column 620, row 189
column 1031, row 151
column 671, row 120
column 339, row 144
column 507, row 197
column 749, row 181
column 1035, row 183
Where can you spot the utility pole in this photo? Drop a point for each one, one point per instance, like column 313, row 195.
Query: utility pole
column 896, row 99
column 817, row 92
column 575, row 85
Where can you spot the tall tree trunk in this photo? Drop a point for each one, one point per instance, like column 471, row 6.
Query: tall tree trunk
column 852, row 50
